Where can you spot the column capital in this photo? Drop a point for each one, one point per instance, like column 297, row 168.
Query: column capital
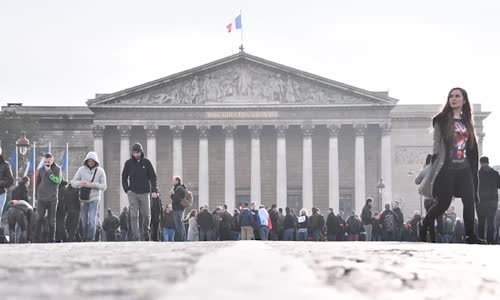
column 98, row 131
column 333, row 129
column 124, row 130
column 281, row 130
column 203, row 130
column 151, row 130
column 307, row 129
column 229, row 130
column 360, row 129
column 177, row 130
column 255, row 131
column 386, row 128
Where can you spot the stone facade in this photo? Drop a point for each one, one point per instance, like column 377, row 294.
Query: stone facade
column 270, row 133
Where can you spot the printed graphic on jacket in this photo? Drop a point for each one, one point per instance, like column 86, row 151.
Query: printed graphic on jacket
column 458, row 153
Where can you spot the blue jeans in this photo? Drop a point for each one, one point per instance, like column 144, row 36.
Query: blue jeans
column 316, row 234
column 180, row 230
column 168, row 234
column 288, row 234
column 264, row 233
column 89, row 219
column 2, row 202
column 302, row 234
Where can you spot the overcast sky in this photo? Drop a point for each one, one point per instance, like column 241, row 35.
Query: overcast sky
column 63, row 52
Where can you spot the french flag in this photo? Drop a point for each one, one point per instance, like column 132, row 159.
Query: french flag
column 236, row 24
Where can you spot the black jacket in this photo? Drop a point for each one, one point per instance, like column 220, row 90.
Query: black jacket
column 317, row 221
column 332, row 224
column 275, row 218
column 20, row 193
column 111, row 223
column 472, row 154
column 400, row 221
column 366, row 215
column 139, row 176
column 489, row 183
column 6, row 178
column 205, row 220
column 124, row 221
column 290, row 221
column 72, row 198
column 226, row 220
column 178, row 195
column 167, row 220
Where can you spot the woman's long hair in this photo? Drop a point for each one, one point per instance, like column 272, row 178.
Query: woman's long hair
column 447, row 115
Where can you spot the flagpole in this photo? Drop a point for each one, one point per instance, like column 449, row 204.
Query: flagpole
column 66, row 162
column 33, row 182
column 241, row 18
column 17, row 165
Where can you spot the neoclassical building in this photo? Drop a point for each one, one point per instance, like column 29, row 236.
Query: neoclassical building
column 245, row 129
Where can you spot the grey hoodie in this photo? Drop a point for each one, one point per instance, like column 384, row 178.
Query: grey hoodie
column 84, row 173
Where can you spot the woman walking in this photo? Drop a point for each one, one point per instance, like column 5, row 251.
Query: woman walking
column 454, row 169
column 192, row 233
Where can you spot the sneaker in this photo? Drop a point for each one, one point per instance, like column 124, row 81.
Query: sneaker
column 473, row 239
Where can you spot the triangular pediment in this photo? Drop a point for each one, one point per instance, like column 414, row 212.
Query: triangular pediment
column 242, row 79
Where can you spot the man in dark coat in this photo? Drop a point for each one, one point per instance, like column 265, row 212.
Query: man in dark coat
column 156, row 211
column 206, row 222
column 389, row 221
column 177, row 195
column 274, row 216
column 6, row 181
column 61, row 233
column 316, row 224
column 489, row 183
column 225, row 224
column 366, row 218
column 400, row 221
column 139, row 182
column 332, row 225
column 124, row 224
column 72, row 205
column 110, row 226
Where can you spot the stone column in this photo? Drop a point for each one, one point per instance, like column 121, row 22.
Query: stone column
column 124, row 156
column 177, row 150
column 255, row 185
column 151, row 131
column 281, row 170
column 480, row 138
column 307, row 169
column 333, row 168
column 203, row 173
column 359, row 168
column 386, row 162
column 230, row 188
column 99, row 149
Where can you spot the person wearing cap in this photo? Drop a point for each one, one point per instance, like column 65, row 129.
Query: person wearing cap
column 47, row 189
column 6, row 181
column 489, row 183
column 92, row 176
column 139, row 182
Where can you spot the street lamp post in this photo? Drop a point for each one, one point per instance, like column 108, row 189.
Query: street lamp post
column 380, row 187
column 22, row 145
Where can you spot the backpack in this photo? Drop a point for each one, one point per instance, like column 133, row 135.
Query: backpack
column 389, row 224
column 188, row 199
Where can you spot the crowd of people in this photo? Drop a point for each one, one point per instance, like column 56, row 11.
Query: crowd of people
column 67, row 211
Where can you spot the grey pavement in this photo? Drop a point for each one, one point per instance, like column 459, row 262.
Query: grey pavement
column 249, row 270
